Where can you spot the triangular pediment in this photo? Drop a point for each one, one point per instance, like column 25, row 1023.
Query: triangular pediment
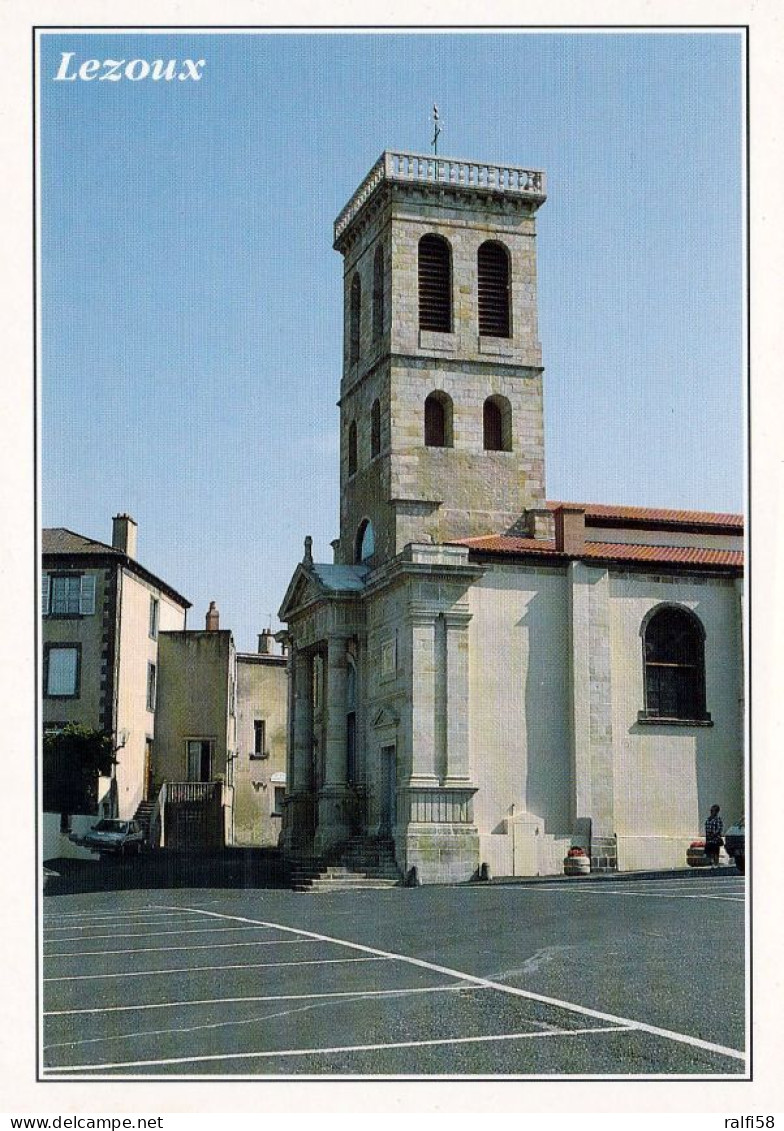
column 304, row 587
column 386, row 717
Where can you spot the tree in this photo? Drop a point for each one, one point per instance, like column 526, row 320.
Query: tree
column 73, row 759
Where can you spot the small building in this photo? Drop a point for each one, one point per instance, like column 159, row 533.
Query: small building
column 260, row 775
column 102, row 617
column 196, row 735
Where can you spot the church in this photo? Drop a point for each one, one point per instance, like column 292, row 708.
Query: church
column 484, row 677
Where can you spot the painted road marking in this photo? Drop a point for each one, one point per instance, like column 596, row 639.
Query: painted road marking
column 190, row 946
column 161, row 919
column 637, row 894
column 358, row 994
column 342, row 1049
column 197, row 969
column 610, row 1018
column 153, row 934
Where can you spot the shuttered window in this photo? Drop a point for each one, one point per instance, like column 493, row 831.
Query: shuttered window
column 435, row 285
column 68, row 594
column 493, row 278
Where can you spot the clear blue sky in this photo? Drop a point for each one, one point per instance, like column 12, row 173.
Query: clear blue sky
column 191, row 299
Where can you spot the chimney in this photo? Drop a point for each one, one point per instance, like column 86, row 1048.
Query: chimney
column 124, row 531
column 265, row 642
column 212, row 620
column 570, row 530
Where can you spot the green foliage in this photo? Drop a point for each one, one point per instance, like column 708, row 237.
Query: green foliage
column 73, row 759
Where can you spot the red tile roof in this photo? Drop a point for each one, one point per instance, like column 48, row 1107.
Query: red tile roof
column 608, row 551
column 598, row 514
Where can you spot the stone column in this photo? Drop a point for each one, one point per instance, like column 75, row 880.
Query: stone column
column 458, row 770
column 592, row 734
column 299, row 801
column 333, row 824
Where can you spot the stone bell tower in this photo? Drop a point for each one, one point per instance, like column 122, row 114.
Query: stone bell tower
column 441, row 418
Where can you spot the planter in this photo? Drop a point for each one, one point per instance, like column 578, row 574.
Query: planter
column 577, row 865
column 695, row 854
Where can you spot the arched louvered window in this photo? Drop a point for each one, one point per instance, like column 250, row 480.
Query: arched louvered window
column 435, row 284
column 493, row 277
column 354, row 315
column 352, row 447
column 497, row 425
column 674, row 657
column 375, row 429
column 438, row 421
column 378, row 294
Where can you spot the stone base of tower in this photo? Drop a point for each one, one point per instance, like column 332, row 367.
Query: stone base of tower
column 441, row 854
column 299, row 819
column 335, row 809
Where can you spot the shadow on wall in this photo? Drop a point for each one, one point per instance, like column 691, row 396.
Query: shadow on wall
column 240, row 868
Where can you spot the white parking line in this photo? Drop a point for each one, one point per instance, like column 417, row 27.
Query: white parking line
column 115, row 916
column 195, row 969
column 359, row 994
column 190, row 946
column 591, row 890
column 153, row 934
column 490, row 1037
column 613, row 1019
column 158, row 922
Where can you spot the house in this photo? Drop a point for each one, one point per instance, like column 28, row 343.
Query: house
column 102, row 617
column 483, row 676
column 260, row 775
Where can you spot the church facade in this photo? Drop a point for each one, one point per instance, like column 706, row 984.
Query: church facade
column 483, row 676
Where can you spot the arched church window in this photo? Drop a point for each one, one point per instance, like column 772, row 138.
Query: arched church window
column 435, row 284
column 375, row 429
column 352, row 447
column 674, row 658
column 493, row 280
column 378, row 293
column 366, row 541
column 438, row 421
column 497, row 425
column 355, row 307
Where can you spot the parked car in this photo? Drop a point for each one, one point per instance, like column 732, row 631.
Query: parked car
column 119, row 838
column 735, row 843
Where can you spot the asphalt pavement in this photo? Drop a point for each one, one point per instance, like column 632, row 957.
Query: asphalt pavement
column 561, row 977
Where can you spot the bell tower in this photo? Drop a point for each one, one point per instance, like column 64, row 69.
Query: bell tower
column 441, row 417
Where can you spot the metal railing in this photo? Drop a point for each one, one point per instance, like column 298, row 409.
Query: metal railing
column 419, row 167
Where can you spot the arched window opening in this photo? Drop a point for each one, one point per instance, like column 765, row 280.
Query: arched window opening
column 497, row 425
column 674, row 657
column 493, row 278
column 366, row 541
column 375, row 429
column 438, row 421
column 435, row 284
column 378, row 294
column 352, row 447
column 354, row 314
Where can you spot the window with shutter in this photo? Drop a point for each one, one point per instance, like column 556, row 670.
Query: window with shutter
column 493, row 282
column 435, row 284
column 44, row 594
column 87, row 595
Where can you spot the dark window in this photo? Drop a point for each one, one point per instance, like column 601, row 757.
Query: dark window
column 378, row 294
column 354, row 314
column 352, row 447
column 497, row 424
column 198, row 753
column 259, row 738
column 493, row 277
column 154, row 611
column 151, row 686
column 435, row 285
column 674, row 652
column 366, row 541
column 375, row 429
column 438, row 421
column 62, row 671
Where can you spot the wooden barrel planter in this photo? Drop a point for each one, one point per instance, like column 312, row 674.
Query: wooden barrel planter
column 576, row 863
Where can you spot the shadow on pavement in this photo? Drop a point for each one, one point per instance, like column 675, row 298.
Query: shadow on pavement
column 168, row 868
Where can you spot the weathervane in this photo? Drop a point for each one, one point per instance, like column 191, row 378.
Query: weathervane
column 436, row 130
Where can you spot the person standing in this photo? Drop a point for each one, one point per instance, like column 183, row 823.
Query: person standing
column 714, row 827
